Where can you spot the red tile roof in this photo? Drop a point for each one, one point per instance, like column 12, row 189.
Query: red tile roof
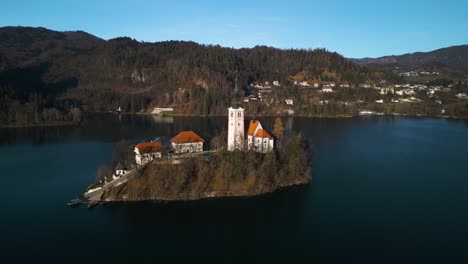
column 263, row 134
column 187, row 137
column 253, row 125
column 149, row 147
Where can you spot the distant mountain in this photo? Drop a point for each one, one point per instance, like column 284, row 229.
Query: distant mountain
column 25, row 46
column 452, row 60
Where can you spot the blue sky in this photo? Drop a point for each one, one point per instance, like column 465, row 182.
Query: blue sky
column 353, row 28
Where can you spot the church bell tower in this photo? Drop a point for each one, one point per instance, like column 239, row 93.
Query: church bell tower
column 235, row 138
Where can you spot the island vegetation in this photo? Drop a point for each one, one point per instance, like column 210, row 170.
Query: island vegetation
column 220, row 174
column 215, row 173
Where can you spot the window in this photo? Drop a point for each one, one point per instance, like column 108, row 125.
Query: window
column 239, row 114
column 232, row 114
column 238, row 124
column 232, row 124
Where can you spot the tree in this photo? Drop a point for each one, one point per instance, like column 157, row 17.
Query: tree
column 219, row 141
column 278, row 128
column 102, row 173
column 120, row 152
column 76, row 114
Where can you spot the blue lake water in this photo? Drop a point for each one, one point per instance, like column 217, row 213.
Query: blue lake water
column 383, row 189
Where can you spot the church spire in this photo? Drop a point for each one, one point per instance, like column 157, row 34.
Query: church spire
column 235, row 101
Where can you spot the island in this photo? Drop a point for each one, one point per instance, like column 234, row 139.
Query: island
column 246, row 161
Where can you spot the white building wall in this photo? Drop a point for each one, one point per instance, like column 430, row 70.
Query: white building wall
column 262, row 145
column 187, row 147
column 144, row 158
column 235, row 128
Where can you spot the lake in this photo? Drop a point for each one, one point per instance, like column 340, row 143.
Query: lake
column 383, row 188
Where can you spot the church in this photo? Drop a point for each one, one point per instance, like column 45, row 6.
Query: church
column 257, row 139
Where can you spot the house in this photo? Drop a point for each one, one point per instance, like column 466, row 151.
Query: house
column 276, row 83
column 387, row 90
column 187, row 142
column 327, row 89
column 119, row 170
column 147, row 151
column 258, row 139
column 162, row 110
column 289, row 101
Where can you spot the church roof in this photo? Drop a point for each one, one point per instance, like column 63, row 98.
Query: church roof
column 149, row 147
column 263, row 134
column 119, row 166
column 252, row 127
column 260, row 132
column 186, row 137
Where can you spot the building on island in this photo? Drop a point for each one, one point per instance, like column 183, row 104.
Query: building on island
column 235, row 128
column 258, row 139
column 147, row 151
column 187, row 142
column 119, row 170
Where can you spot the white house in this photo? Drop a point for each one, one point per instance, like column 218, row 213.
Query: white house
column 187, row 142
column 276, row 83
column 161, row 110
column 289, row 101
column 147, row 151
column 235, row 138
column 327, row 89
column 258, row 139
column 119, row 171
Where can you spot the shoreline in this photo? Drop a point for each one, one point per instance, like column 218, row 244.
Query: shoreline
column 304, row 116
column 186, row 197
column 41, row 125
column 262, row 116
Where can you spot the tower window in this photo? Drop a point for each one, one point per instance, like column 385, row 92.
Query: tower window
column 232, row 124
column 239, row 114
column 232, row 114
column 238, row 124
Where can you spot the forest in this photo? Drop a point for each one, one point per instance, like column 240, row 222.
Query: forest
column 46, row 76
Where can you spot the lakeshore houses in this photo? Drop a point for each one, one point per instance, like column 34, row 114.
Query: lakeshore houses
column 147, row 151
column 187, row 142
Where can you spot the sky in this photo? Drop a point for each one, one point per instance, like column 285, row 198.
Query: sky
column 355, row 29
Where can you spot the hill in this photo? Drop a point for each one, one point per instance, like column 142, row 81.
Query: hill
column 62, row 70
column 451, row 61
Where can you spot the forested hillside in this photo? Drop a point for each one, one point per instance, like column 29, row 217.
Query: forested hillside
column 44, row 74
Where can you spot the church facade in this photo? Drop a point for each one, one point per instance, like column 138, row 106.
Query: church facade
column 257, row 139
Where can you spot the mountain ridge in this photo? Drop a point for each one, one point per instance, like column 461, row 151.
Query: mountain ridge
column 453, row 59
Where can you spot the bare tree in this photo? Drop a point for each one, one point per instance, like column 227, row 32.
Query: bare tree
column 102, row 173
